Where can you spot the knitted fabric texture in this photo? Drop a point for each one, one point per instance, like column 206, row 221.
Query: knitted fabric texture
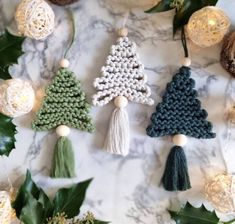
column 64, row 104
column 180, row 111
column 122, row 76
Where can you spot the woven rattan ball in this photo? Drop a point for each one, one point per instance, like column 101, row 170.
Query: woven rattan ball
column 63, row 2
column 6, row 211
column 220, row 192
column 16, row 97
column 227, row 56
column 35, row 19
column 207, row 26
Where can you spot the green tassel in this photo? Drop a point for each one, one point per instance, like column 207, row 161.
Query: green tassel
column 175, row 177
column 63, row 165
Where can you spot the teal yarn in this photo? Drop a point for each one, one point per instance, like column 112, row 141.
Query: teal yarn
column 175, row 177
column 180, row 111
column 63, row 164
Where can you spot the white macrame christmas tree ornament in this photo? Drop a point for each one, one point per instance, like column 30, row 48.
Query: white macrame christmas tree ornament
column 16, row 97
column 35, row 19
column 122, row 79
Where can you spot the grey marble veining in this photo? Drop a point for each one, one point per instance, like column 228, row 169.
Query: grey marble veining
column 124, row 190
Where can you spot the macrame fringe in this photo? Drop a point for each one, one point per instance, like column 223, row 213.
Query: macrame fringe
column 63, row 165
column 117, row 140
column 175, row 177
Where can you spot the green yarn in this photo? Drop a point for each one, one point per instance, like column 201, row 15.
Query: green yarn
column 175, row 177
column 64, row 104
column 63, row 164
column 180, row 111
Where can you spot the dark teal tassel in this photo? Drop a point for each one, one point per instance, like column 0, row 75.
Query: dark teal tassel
column 175, row 177
column 63, row 165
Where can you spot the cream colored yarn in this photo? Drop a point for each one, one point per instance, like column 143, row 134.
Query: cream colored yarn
column 35, row 19
column 220, row 191
column 6, row 211
column 122, row 76
column 16, row 97
column 207, row 26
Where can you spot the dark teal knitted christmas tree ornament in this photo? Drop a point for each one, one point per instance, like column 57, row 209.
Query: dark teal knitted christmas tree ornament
column 179, row 115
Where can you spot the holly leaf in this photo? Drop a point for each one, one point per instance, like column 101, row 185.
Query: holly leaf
column 7, row 135
column 191, row 215
column 46, row 205
column 33, row 206
column 162, row 6
column 21, row 198
column 183, row 14
column 10, row 51
column 69, row 200
column 32, row 212
column 30, row 188
column 210, row 2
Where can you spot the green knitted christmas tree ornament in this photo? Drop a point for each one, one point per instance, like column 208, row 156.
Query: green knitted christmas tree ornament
column 63, row 106
column 179, row 115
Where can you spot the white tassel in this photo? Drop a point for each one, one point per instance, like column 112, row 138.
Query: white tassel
column 117, row 140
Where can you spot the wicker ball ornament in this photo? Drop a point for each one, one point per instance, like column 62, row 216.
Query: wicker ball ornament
column 220, row 192
column 16, row 97
column 35, row 19
column 227, row 56
column 208, row 26
column 6, row 211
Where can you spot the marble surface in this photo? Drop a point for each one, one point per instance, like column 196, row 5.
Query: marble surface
column 124, row 190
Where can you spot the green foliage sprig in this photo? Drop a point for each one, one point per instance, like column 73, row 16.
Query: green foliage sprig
column 183, row 9
column 33, row 206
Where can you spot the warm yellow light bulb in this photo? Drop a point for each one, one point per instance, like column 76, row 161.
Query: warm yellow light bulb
column 24, row 98
column 211, row 22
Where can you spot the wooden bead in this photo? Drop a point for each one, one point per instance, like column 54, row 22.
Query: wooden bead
column 180, row 140
column 62, row 130
column 64, row 63
column 186, row 62
column 120, row 101
column 122, row 32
